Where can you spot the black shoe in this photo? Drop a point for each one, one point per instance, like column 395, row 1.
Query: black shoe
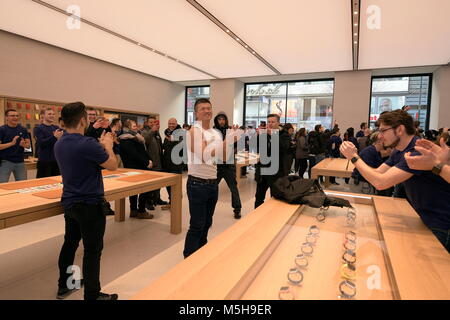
column 105, row 296
column 110, row 213
column 65, row 292
column 160, row 202
column 237, row 215
column 149, row 207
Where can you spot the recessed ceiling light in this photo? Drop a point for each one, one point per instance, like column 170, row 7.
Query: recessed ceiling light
column 355, row 24
column 355, row 34
column 356, row 42
column 356, row 12
column 237, row 39
column 246, row 46
column 139, row 44
column 228, row 31
column 253, row 52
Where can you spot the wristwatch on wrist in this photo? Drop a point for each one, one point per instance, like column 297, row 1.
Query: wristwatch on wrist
column 437, row 169
column 354, row 159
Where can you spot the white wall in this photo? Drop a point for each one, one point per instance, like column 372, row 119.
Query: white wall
column 35, row 70
column 227, row 95
column 351, row 98
column 440, row 99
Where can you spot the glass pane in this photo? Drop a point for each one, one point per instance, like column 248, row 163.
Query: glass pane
column 393, row 93
column 194, row 93
column 264, row 99
column 310, row 103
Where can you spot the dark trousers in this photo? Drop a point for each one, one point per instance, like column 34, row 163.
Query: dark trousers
column 228, row 172
column 300, row 166
column 264, row 183
column 139, row 205
column 443, row 236
column 83, row 222
column 169, row 189
column 202, row 202
column 47, row 169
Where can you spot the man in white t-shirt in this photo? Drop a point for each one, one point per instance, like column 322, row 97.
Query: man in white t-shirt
column 206, row 148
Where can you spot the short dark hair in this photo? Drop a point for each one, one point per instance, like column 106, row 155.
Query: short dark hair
column 8, row 111
column 274, row 115
column 362, row 125
column 72, row 113
column 114, row 121
column 128, row 123
column 43, row 111
column 317, row 127
column 288, row 126
column 397, row 118
column 200, row 100
column 351, row 132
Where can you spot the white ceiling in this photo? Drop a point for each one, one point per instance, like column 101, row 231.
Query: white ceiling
column 294, row 36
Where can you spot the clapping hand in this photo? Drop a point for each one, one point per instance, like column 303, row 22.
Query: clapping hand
column 348, row 149
column 431, row 155
column 106, row 140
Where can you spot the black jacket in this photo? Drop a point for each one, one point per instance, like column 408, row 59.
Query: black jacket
column 95, row 133
column 316, row 142
column 133, row 154
column 168, row 146
column 284, row 145
column 223, row 131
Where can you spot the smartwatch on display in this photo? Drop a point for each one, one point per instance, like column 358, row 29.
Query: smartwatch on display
column 301, row 261
column 314, row 230
column 347, row 289
column 348, row 271
column 295, row 276
column 307, row 248
column 350, row 245
column 285, row 293
column 350, row 236
column 349, row 256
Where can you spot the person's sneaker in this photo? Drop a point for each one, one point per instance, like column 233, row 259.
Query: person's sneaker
column 133, row 213
column 144, row 215
column 237, row 215
column 105, row 296
column 110, row 212
column 149, row 206
column 65, row 292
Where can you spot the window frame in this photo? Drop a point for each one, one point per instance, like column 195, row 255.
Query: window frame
column 287, row 82
column 430, row 89
column 186, row 98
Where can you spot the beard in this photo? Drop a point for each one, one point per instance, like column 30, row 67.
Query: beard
column 393, row 144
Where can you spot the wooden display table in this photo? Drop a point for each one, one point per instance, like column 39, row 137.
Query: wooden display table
column 18, row 207
column 243, row 160
column 332, row 167
column 397, row 256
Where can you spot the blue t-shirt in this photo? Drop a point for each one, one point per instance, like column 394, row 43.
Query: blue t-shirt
column 7, row 134
column 45, row 141
column 336, row 142
column 427, row 193
column 371, row 157
column 79, row 160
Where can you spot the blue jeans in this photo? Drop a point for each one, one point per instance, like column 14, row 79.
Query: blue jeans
column 202, row 202
column 443, row 237
column 8, row 167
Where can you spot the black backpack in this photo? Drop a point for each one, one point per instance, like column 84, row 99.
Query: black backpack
column 295, row 190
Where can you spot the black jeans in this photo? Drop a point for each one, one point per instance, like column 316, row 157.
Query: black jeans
column 301, row 165
column 86, row 222
column 202, row 202
column 139, row 205
column 169, row 189
column 228, row 172
column 47, row 169
column 263, row 183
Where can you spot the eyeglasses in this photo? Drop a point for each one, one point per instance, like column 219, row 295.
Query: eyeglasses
column 13, row 115
column 382, row 131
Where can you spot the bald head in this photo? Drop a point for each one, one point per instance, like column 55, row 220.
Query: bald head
column 172, row 124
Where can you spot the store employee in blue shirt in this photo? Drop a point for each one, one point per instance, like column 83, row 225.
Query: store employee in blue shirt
column 81, row 160
column 426, row 191
column 13, row 139
column 46, row 135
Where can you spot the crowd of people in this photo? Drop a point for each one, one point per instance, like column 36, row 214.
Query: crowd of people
column 395, row 158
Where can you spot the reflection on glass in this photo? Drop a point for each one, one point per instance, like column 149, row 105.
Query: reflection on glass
column 303, row 104
column 192, row 94
column 391, row 93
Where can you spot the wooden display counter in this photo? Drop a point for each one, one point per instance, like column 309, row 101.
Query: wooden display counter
column 21, row 206
column 243, row 160
column 397, row 256
column 332, row 167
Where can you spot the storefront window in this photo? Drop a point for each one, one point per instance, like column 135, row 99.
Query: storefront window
column 192, row 94
column 303, row 103
column 391, row 93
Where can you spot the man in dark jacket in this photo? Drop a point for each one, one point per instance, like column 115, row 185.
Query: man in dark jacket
column 153, row 144
column 316, row 147
column 266, row 181
column 168, row 146
column 227, row 170
column 132, row 152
